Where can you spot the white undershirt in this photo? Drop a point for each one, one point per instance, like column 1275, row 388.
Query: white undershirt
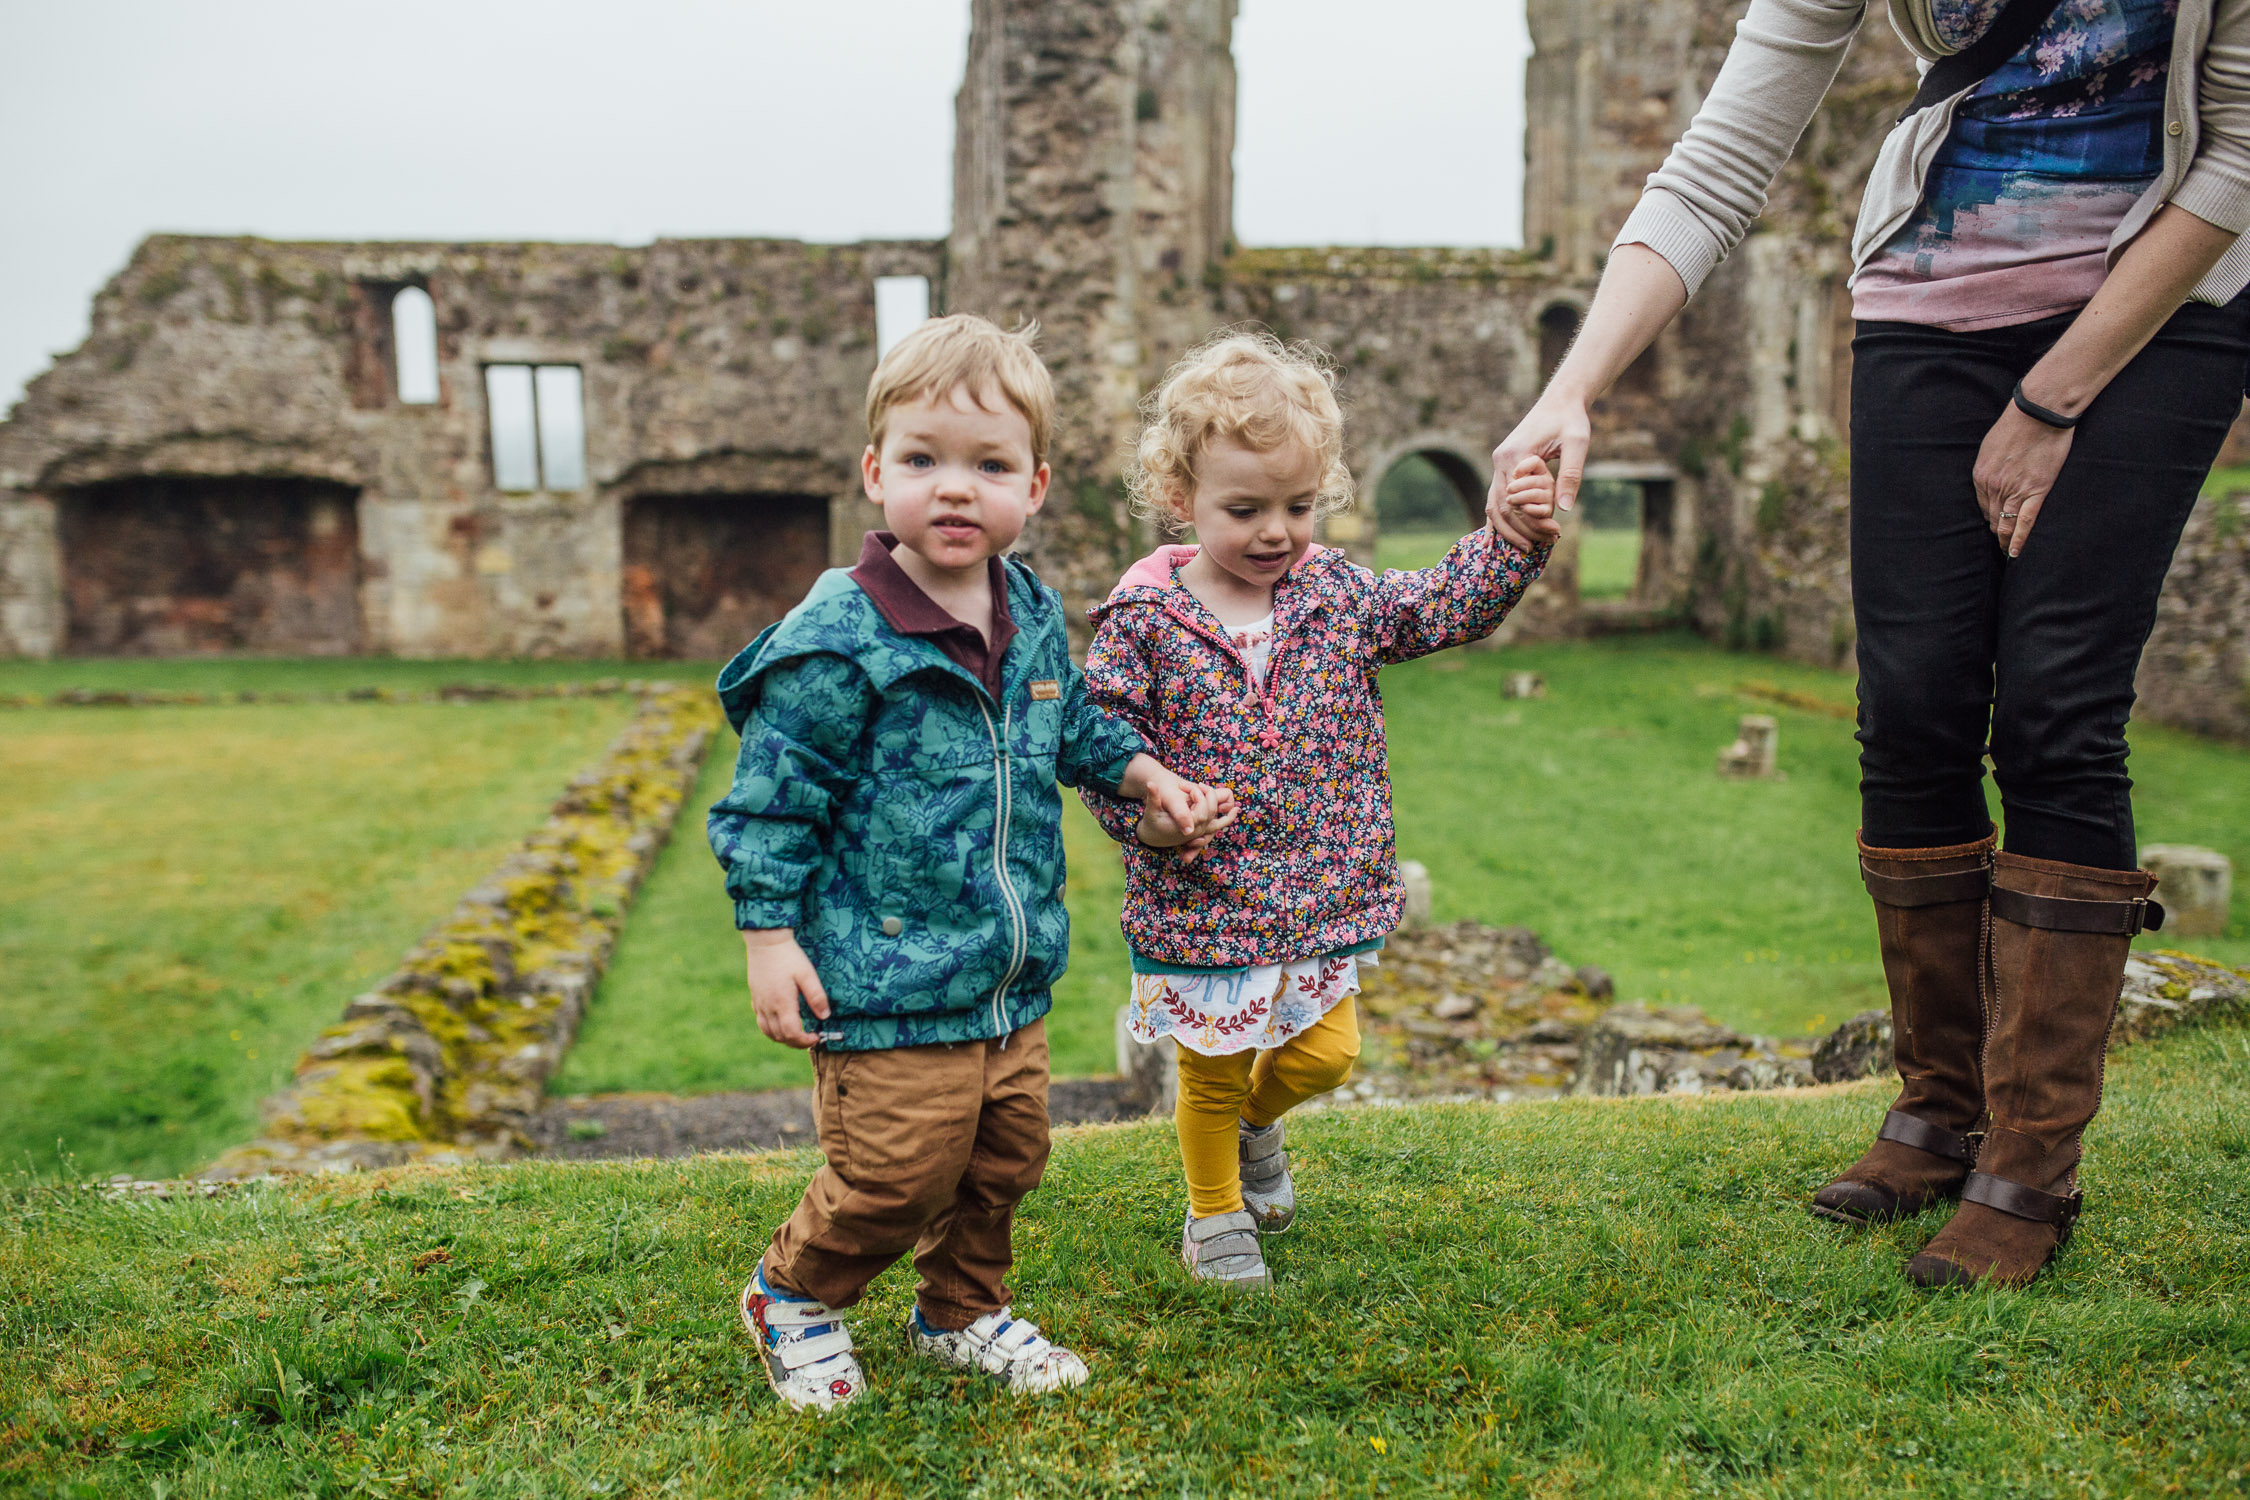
column 1255, row 642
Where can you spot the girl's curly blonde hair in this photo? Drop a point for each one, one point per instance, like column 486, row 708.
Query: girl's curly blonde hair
column 1247, row 385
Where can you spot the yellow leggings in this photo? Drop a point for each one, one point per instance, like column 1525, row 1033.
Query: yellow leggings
column 1258, row 1086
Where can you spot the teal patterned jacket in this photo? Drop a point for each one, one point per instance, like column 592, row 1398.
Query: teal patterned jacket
column 905, row 824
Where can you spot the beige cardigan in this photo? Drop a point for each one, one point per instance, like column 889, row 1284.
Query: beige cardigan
column 1786, row 53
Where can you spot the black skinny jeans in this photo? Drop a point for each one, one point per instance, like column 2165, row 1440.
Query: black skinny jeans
column 1956, row 642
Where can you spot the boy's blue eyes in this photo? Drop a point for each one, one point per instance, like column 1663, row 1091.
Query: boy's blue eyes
column 924, row 461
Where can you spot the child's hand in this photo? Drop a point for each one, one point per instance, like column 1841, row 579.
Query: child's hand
column 1528, row 503
column 1175, row 811
column 1211, row 809
column 779, row 973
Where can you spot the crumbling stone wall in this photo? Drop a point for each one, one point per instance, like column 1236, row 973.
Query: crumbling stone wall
column 730, row 367
column 2196, row 670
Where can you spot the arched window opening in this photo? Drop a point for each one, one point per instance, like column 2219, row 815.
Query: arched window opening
column 1424, row 503
column 1558, row 325
column 902, row 304
column 414, row 346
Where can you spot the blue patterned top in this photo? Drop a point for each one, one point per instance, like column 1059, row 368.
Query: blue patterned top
column 2044, row 159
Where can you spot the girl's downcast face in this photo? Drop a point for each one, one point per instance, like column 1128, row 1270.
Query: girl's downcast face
column 1253, row 516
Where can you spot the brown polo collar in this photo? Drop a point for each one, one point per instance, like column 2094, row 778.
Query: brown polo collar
column 909, row 611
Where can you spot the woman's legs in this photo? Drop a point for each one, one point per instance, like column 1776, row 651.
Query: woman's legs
column 2076, row 608
column 2062, row 629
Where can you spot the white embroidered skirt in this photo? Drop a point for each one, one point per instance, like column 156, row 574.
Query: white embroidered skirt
column 1219, row 1014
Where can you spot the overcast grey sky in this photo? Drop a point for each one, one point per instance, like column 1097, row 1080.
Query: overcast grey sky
column 591, row 120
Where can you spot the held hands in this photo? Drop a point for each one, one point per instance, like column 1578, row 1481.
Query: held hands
column 2016, row 467
column 1557, row 429
column 1528, row 501
column 779, row 973
column 1176, row 812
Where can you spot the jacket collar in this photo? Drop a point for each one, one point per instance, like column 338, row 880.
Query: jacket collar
column 1154, row 581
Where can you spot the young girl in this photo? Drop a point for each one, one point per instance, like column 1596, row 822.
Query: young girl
column 1250, row 660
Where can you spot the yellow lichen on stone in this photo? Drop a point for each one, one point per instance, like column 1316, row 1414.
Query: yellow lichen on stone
column 371, row 1098
column 496, row 990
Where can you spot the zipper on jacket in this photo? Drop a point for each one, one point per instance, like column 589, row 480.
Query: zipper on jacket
column 1003, row 808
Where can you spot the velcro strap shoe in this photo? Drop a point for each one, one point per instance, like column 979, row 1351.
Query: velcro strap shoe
column 1224, row 1248
column 1010, row 1349
column 806, row 1350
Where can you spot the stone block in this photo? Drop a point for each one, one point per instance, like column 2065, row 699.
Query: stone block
column 1860, row 1048
column 1415, row 876
column 1634, row 1050
column 1754, row 754
column 1524, row 685
column 1150, row 1069
column 2195, row 886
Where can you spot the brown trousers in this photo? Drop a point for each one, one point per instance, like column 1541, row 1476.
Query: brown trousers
column 929, row 1149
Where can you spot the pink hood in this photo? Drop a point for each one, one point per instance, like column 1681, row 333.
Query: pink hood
column 1155, row 570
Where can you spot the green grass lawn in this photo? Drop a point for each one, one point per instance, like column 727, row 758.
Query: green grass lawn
column 322, row 674
column 189, row 894
column 2227, row 482
column 1608, row 559
column 1592, row 815
column 1583, row 1298
column 1608, row 562
column 1401, row 548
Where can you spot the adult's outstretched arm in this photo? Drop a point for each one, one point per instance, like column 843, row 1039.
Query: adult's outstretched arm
column 1639, row 294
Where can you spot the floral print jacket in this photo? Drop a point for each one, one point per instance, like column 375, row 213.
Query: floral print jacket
column 1309, row 867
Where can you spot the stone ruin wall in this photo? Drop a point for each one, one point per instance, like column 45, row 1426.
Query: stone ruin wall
column 711, row 368
column 1093, row 193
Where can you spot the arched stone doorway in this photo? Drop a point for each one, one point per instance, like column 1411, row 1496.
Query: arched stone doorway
column 1426, row 496
column 713, row 550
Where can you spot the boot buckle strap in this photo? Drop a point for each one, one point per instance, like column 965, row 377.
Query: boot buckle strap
column 1926, row 890
column 1911, row 1130
column 2064, row 914
column 2021, row 1202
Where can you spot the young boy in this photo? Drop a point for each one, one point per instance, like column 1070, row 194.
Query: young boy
column 893, row 845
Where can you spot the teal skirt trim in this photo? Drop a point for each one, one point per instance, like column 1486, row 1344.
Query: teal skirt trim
column 1142, row 964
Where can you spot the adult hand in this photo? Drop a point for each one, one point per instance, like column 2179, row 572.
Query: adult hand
column 1557, row 430
column 2016, row 467
column 779, row 972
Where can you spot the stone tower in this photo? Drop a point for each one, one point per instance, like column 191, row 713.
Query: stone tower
column 1093, row 190
column 1611, row 84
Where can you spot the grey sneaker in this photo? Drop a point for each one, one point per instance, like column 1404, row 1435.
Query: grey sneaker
column 1266, row 1190
column 1224, row 1248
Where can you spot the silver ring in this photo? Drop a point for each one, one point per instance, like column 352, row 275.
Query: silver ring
column 2009, row 515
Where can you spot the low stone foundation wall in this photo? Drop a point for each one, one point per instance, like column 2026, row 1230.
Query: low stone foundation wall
column 449, row 1056
column 450, row 692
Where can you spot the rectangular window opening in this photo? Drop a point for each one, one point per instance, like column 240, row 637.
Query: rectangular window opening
column 538, row 415
column 902, row 304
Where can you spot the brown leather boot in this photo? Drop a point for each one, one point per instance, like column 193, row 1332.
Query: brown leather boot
column 2060, row 936
column 1929, row 912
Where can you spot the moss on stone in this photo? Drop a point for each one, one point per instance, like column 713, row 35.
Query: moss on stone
column 369, row 1098
column 497, row 988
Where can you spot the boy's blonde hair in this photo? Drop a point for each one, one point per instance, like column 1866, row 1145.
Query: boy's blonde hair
column 964, row 350
column 1247, row 385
